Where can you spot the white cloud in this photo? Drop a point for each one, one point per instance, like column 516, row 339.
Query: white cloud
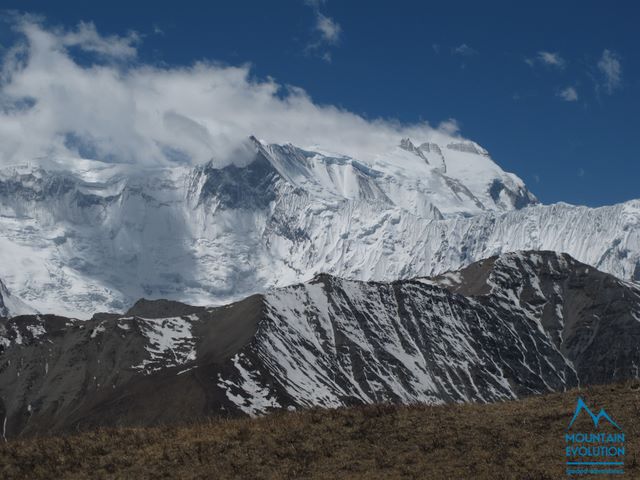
column 464, row 50
column 610, row 67
column 327, row 32
column 52, row 105
column 87, row 38
column 84, row 37
column 328, row 28
column 327, row 57
column 551, row 58
column 449, row 127
column 569, row 94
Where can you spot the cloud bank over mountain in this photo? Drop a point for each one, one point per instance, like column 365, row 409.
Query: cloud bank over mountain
column 70, row 93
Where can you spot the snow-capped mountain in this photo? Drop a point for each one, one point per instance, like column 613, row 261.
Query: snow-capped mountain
column 79, row 236
column 508, row 326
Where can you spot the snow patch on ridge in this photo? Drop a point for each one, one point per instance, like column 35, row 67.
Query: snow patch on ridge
column 246, row 391
column 170, row 343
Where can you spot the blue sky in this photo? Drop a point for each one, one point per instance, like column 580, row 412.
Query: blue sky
column 551, row 89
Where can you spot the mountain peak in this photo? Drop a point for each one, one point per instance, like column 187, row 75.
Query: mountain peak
column 161, row 309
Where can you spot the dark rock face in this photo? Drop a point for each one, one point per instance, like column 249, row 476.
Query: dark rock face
column 251, row 187
column 31, row 188
column 4, row 311
column 519, row 198
column 505, row 327
column 162, row 309
column 593, row 318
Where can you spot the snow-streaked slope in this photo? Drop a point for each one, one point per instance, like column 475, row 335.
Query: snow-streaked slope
column 102, row 235
column 335, row 342
column 403, row 247
column 514, row 325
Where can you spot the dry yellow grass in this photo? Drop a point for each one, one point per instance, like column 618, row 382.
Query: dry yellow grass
column 519, row 440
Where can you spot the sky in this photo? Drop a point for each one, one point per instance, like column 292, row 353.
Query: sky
column 551, row 89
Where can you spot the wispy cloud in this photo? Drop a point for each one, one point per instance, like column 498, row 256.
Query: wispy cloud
column 329, row 29
column 327, row 32
column 464, row 50
column 327, row 57
column 611, row 70
column 86, row 37
column 552, row 59
column 569, row 94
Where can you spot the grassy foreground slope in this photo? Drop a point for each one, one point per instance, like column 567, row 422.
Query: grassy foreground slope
column 520, row 439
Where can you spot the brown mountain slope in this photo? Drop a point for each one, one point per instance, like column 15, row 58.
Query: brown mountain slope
column 518, row 439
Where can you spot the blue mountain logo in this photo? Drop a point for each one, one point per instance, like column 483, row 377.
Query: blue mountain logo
column 595, row 418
